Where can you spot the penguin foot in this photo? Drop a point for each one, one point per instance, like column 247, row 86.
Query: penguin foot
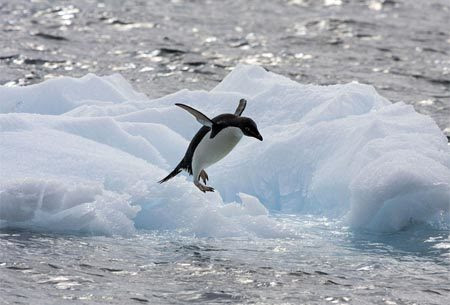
column 203, row 188
column 204, row 176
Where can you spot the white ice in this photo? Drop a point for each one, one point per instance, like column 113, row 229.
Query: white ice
column 84, row 155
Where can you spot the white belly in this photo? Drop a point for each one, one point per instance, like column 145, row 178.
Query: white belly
column 209, row 151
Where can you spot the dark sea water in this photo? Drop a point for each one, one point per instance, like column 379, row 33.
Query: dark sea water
column 324, row 263
column 402, row 48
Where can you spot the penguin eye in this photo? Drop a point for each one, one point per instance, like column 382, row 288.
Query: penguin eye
column 247, row 129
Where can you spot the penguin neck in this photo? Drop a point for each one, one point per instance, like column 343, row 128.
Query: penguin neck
column 235, row 123
column 234, row 131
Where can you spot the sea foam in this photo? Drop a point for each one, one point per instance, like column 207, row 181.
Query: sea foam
column 84, row 155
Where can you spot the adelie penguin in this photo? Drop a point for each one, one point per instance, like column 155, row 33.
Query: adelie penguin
column 213, row 141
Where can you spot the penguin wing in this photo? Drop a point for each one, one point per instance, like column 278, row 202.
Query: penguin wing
column 241, row 107
column 201, row 118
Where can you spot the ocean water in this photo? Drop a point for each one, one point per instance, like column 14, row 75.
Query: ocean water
column 324, row 263
column 399, row 47
column 195, row 250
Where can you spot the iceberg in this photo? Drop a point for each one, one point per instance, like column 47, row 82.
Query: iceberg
column 84, row 155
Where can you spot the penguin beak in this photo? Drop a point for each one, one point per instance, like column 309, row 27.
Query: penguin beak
column 259, row 137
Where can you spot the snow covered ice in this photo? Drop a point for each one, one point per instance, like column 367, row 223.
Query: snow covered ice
column 84, row 155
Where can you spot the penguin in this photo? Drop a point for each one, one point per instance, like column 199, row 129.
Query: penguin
column 212, row 142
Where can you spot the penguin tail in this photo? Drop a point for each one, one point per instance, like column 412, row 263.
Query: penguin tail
column 172, row 174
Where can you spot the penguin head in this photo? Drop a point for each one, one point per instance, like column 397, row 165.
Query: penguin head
column 249, row 128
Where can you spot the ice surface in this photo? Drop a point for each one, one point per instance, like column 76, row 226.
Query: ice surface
column 84, row 155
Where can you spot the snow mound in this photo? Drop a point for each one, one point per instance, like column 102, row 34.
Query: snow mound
column 61, row 95
column 84, row 155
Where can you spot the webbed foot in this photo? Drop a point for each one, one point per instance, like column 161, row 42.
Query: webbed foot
column 203, row 188
column 204, row 176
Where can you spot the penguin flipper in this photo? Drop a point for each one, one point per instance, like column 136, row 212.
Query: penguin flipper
column 241, row 107
column 201, row 118
column 215, row 130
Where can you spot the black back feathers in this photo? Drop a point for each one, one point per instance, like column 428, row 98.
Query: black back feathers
column 205, row 121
